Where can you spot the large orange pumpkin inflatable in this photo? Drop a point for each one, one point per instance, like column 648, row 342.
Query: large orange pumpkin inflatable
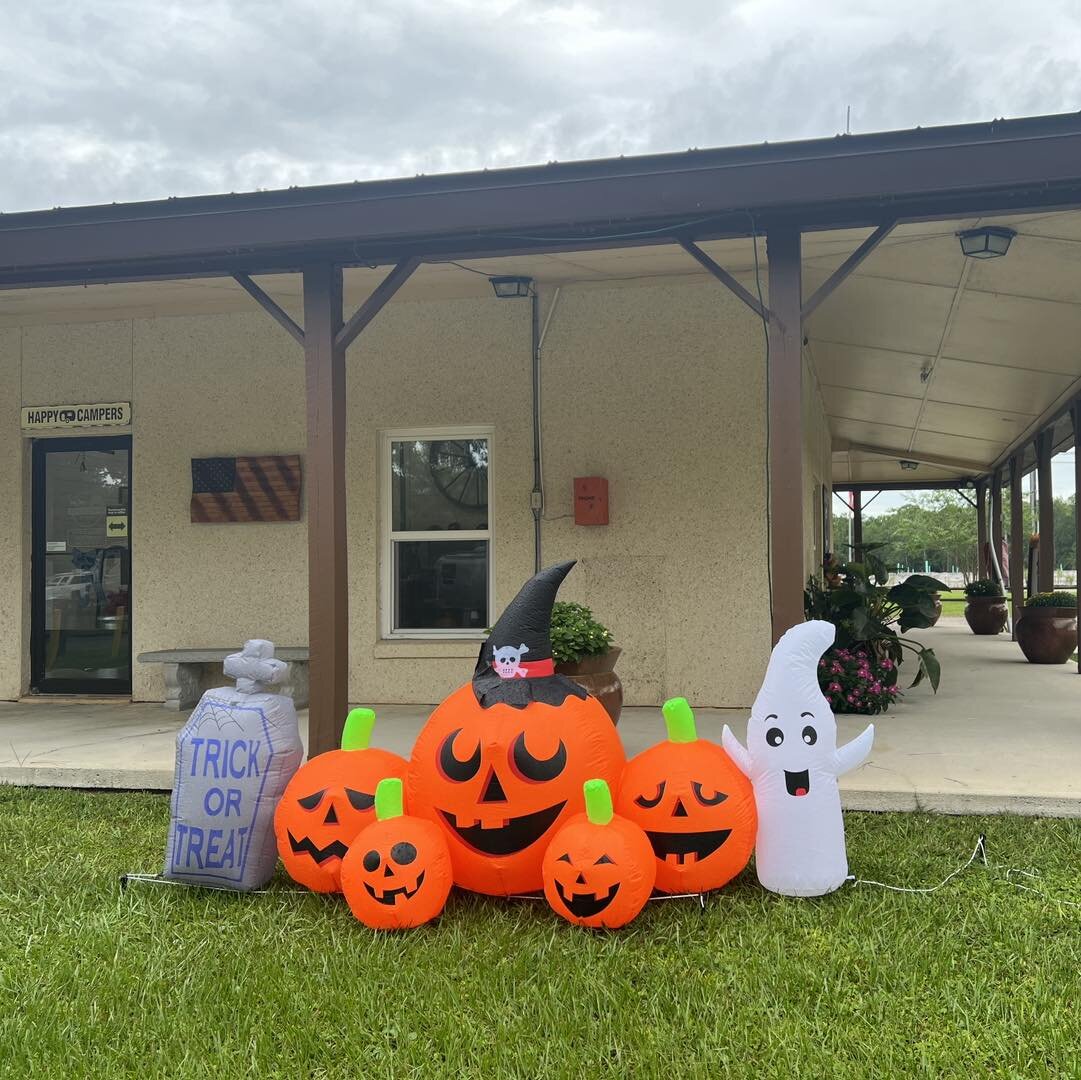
column 599, row 868
column 501, row 762
column 328, row 801
column 695, row 806
column 397, row 872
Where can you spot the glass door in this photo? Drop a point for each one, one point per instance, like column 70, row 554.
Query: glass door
column 80, row 627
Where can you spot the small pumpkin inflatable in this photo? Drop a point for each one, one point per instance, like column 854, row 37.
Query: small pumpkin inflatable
column 501, row 762
column 599, row 869
column 397, row 873
column 328, row 801
column 694, row 804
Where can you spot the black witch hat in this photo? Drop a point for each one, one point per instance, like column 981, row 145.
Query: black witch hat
column 515, row 665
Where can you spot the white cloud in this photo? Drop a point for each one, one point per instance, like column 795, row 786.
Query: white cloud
column 129, row 99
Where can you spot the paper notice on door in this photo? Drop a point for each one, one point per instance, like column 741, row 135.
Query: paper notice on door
column 55, row 547
column 116, row 525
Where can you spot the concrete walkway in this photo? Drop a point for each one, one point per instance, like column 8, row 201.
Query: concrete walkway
column 1002, row 735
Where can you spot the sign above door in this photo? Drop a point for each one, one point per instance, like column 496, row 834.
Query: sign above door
column 62, row 417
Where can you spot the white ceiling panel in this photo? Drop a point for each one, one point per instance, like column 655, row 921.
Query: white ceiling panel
column 1034, row 266
column 888, row 436
column 867, row 369
column 990, row 387
column 980, row 451
column 992, row 425
column 843, row 402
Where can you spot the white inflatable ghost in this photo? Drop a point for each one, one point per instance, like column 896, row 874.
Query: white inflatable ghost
column 793, row 761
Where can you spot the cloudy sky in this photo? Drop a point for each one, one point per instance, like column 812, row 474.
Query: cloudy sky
column 129, row 99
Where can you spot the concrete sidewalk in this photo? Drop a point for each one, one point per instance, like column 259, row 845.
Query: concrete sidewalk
column 1002, row 735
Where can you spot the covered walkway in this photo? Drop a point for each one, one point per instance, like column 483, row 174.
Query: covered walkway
column 1002, row 735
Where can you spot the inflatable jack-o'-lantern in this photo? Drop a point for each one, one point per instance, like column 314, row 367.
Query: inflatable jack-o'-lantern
column 397, row 872
column 694, row 804
column 599, row 869
column 328, row 801
column 501, row 762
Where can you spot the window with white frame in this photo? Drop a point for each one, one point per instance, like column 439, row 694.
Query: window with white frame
column 437, row 558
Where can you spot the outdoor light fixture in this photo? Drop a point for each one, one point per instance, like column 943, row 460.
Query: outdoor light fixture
column 507, row 288
column 909, row 465
column 987, row 243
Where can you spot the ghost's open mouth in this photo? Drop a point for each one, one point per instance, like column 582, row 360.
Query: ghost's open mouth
column 390, row 896
column 586, row 904
column 680, row 848
column 514, row 835
column 798, row 783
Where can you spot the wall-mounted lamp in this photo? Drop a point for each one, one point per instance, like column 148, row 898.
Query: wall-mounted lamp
column 908, row 465
column 987, row 243
column 508, row 288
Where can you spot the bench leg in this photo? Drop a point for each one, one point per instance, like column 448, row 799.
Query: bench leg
column 296, row 685
column 181, row 686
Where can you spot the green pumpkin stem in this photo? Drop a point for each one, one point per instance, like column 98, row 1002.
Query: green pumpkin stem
column 598, row 802
column 357, row 733
column 679, row 720
column 388, row 799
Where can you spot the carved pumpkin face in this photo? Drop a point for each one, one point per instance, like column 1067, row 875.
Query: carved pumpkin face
column 599, row 869
column 695, row 806
column 328, row 801
column 498, row 780
column 397, row 873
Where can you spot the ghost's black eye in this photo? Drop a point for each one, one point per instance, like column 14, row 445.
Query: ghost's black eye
column 810, row 736
column 310, row 802
column 538, row 769
column 603, row 860
column 649, row 803
column 403, row 853
column 360, row 800
column 453, row 769
column 715, row 799
column 371, row 861
column 775, row 736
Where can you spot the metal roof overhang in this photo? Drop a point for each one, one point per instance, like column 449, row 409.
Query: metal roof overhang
column 821, row 183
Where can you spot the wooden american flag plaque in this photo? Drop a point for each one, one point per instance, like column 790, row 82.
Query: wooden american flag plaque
column 264, row 488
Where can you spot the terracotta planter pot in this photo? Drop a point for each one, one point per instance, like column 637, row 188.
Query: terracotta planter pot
column 938, row 608
column 1047, row 635
column 597, row 675
column 986, row 614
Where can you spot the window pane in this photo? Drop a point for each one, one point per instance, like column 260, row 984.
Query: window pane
column 440, row 584
column 439, row 484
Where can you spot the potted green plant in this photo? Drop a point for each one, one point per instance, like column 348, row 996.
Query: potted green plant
column 871, row 616
column 1047, row 628
column 985, row 606
column 583, row 651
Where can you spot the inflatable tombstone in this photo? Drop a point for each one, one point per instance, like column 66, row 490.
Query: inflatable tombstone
column 234, row 757
column 793, row 761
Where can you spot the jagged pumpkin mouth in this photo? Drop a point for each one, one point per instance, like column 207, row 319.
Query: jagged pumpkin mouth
column 390, row 896
column 585, row 905
column 681, row 848
column 334, row 850
column 514, row 835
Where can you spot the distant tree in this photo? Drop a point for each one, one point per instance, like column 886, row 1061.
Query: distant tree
column 1065, row 533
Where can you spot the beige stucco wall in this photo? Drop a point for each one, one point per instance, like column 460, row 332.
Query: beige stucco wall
column 658, row 387
column 11, row 520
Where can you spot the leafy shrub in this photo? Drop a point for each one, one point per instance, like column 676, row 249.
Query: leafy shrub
column 983, row 587
column 575, row 633
column 1060, row 598
column 856, row 681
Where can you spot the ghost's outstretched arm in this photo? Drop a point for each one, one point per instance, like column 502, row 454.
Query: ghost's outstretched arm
column 850, row 755
column 736, row 751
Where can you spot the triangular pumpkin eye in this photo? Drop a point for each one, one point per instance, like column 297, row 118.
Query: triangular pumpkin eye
column 310, row 802
column 602, row 860
column 564, row 858
column 360, row 800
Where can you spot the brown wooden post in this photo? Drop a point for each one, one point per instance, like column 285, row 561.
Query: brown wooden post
column 857, row 523
column 981, row 528
column 785, row 408
column 996, row 521
column 1018, row 545
column 1075, row 412
column 328, row 576
column 1046, row 575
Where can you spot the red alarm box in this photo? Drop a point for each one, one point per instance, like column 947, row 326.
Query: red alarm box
column 590, row 500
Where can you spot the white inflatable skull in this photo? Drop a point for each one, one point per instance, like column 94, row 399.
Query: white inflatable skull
column 507, row 661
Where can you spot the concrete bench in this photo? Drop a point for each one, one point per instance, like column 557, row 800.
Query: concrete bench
column 186, row 672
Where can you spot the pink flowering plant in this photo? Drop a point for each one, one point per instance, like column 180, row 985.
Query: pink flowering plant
column 856, row 681
column 859, row 673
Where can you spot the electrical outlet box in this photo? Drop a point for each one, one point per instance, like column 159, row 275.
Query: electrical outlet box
column 590, row 500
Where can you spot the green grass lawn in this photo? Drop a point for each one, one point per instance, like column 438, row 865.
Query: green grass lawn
column 953, row 602
column 979, row 979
